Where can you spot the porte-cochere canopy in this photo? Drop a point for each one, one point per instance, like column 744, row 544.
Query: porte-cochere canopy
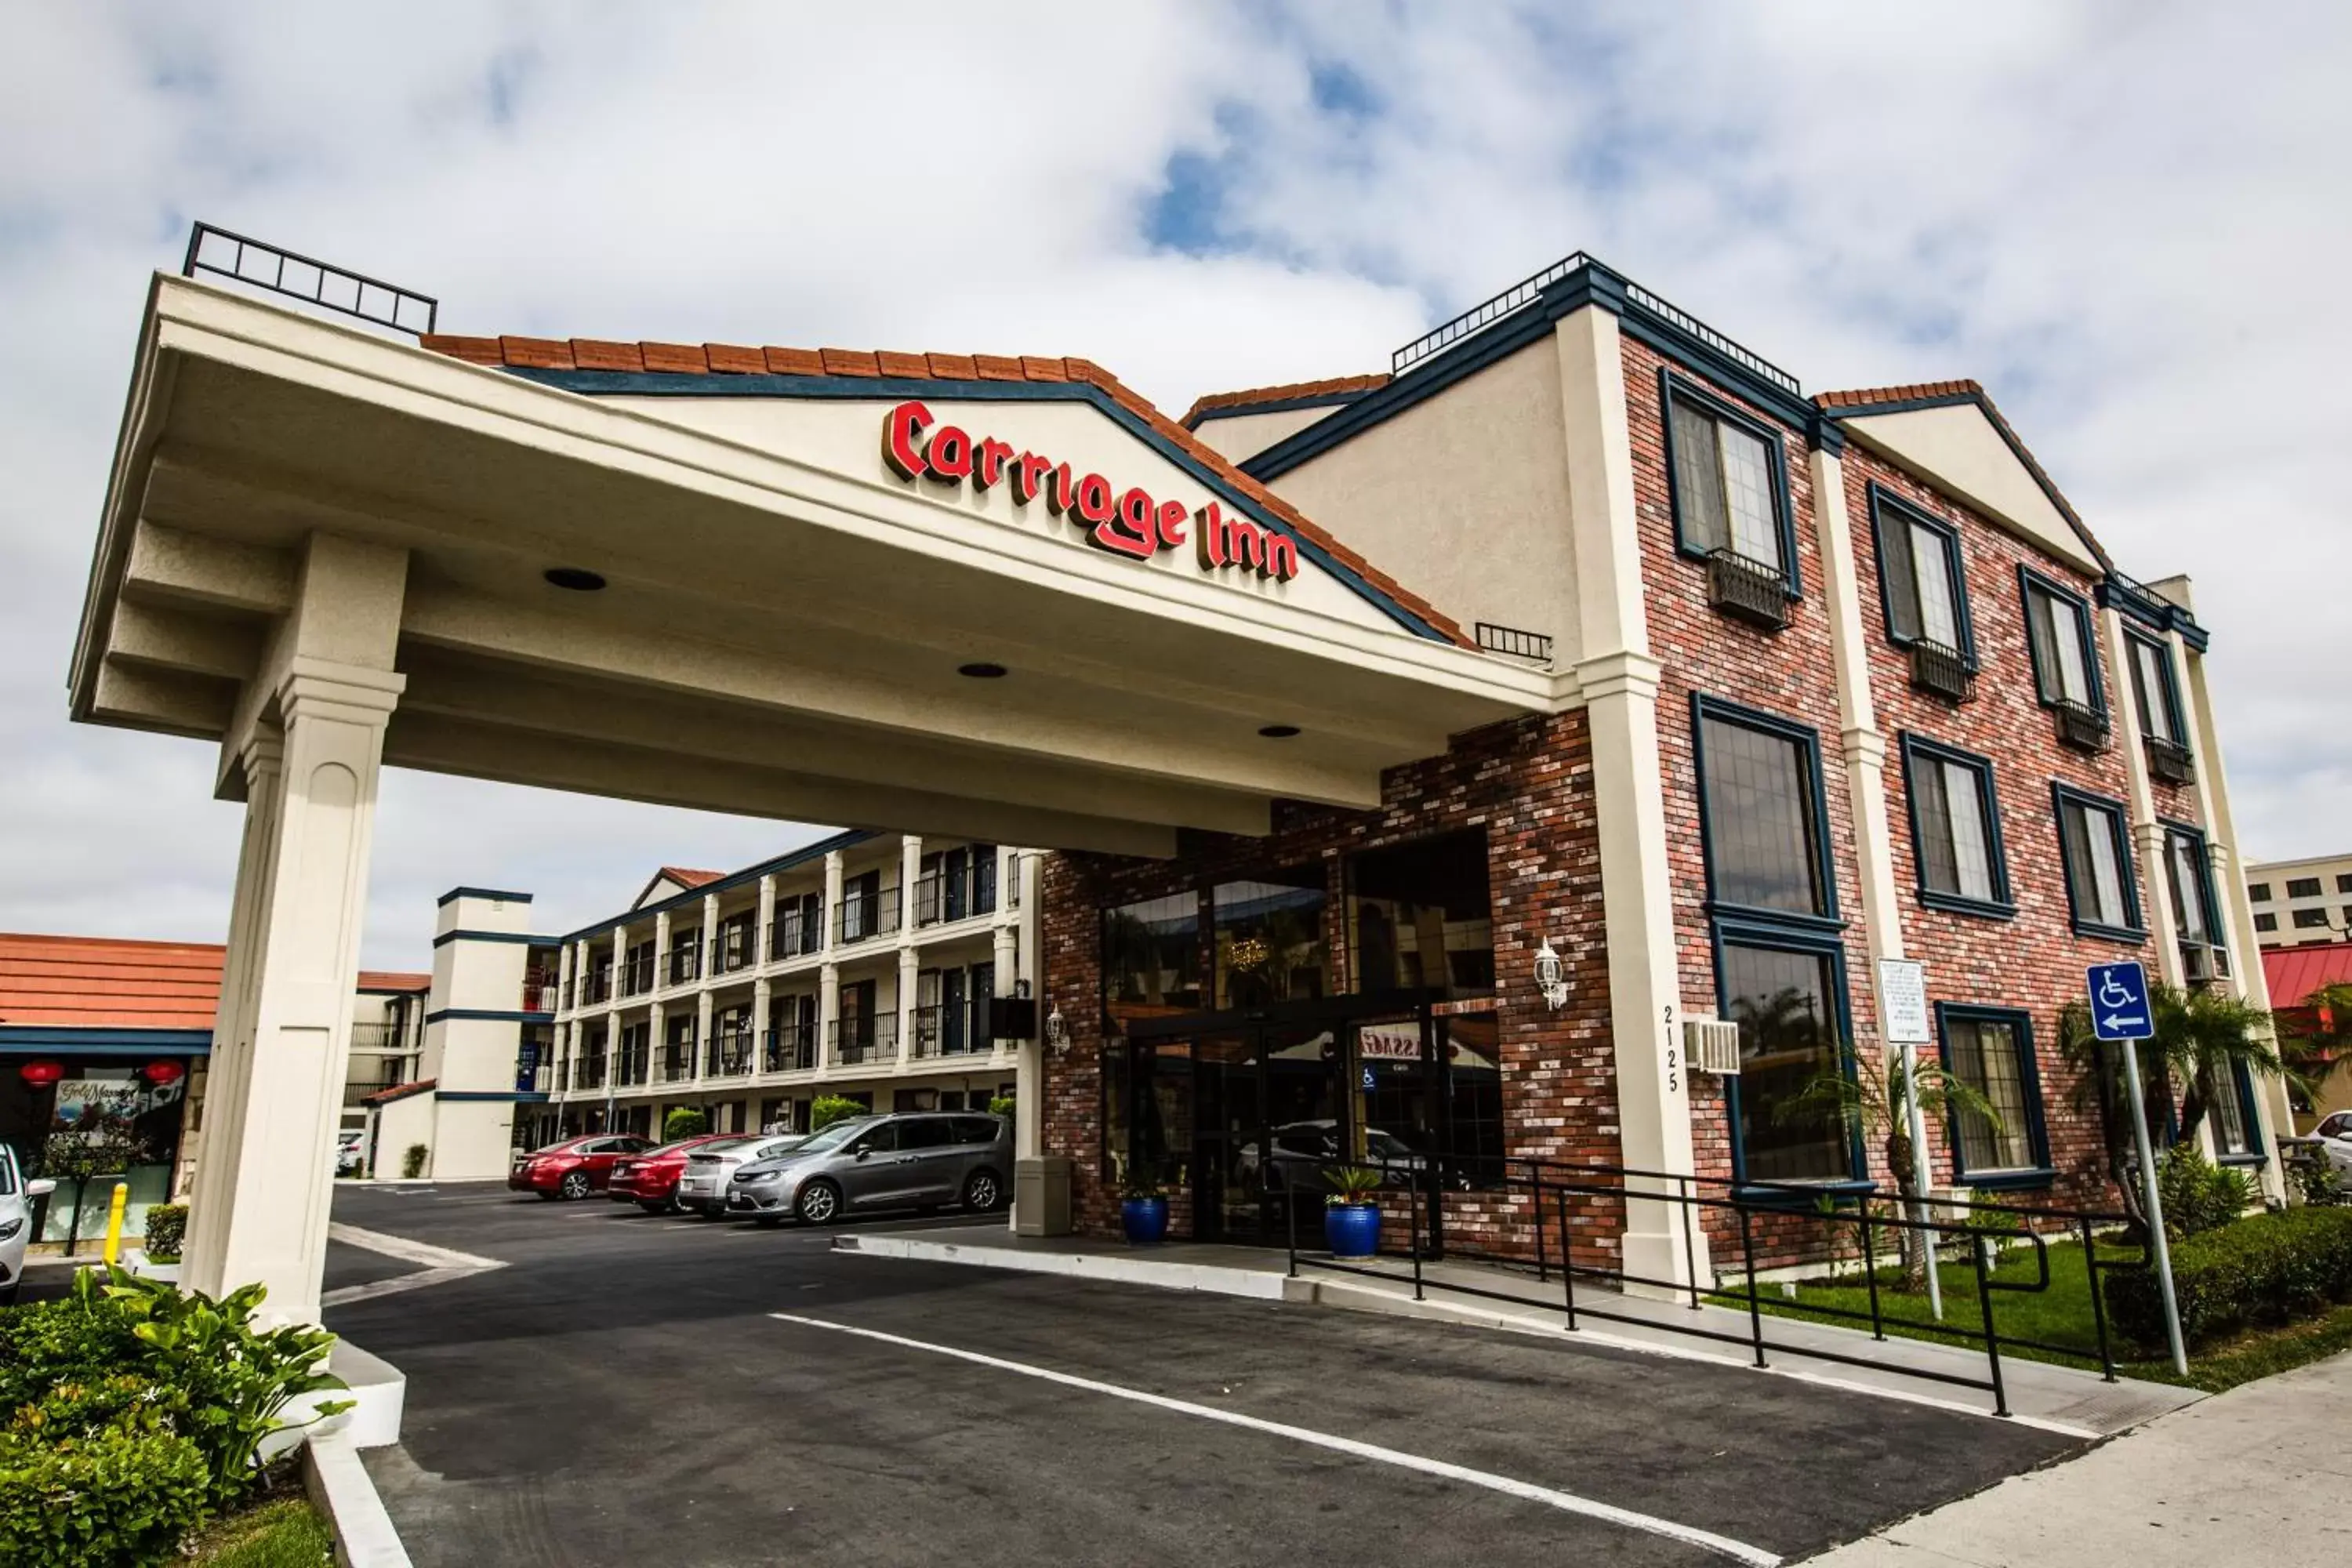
column 802, row 555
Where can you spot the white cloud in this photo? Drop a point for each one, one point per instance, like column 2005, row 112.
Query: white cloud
column 2125, row 219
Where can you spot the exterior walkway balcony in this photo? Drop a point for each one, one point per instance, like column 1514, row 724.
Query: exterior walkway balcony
column 865, row 1041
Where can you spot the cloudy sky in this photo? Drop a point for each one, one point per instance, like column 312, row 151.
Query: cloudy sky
column 2128, row 220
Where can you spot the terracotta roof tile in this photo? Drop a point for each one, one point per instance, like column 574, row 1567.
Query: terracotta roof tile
column 107, row 983
column 401, row 1091
column 531, row 353
column 727, row 359
column 1867, row 395
column 849, row 361
column 593, row 354
column 394, row 980
column 689, row 879
column 1218, row 402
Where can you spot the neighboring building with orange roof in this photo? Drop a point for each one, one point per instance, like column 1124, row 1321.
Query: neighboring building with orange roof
column 1240, row 425
column 2296, row 974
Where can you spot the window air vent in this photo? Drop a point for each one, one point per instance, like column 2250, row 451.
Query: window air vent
column 2169, row 760
column 1941, row 671
column 1747, row 590
column 1712, row 1045
column 2201, row 962
column 2081, row 725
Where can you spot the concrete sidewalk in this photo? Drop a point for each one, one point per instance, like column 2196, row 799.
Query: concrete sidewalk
column 2061, row 1399
column 2261, row 1475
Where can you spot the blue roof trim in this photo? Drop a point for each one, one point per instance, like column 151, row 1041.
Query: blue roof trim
column 2135, row 602
column 1591, row 284
column 1274, row 405
column 454, row 894
column 523, row 936
column 489, row 1014
column 866, row 388
column 784, row 862
column 70, row 1040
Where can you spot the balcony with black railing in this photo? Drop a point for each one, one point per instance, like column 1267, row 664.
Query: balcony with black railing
column 2080, row 725
column 791, row 1048
column 632, row 1066
column 597, row 988
column 864, row 1040
column 2169, row 761
column 637, row 975
column 1751, row 590
column 377, row 1037
column 794, row 934
column 946, row 1030
column 943, row 898
column 1942, row 671
column 675, row 1062
column 587, row 1073
column 862, row 917
column 730, row 1053
column 734, row 946
column 686, row 964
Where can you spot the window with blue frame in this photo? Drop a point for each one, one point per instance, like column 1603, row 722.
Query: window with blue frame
column 1919, row 576
column 1726, row 480
column 1991, row 1049
column 2189, row 876
column 1780, row 961
column 1956, row 829
column 2237, row 1136
column 2096, row 854
column 2064, row 648
column 2155, row 694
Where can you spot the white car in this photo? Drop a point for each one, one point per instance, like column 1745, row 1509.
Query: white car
column 350, row 1151
column 2334, row 1135
column 17, row 1196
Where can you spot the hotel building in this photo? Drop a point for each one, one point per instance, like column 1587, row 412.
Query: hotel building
column 2299, row 902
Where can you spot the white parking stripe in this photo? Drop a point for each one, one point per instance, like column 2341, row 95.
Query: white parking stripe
column 441, row 1264
column 1568, row 1502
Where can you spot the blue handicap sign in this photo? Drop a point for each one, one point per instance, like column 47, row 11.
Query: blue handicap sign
column 2120, row 1009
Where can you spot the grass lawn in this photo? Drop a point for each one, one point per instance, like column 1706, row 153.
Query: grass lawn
column 2059, row 1316
column 285, row 1531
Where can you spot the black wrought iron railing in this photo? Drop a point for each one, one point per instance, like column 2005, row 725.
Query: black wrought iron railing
column 789, row 1049
column 1942, row 671
column 637, row 976
column 2170, row 761
column 729, row 1053
column 299, row 277
column 1749, row 590
column 857, row 1041
column 2080, row 725
column 686, row 964
column 1514, row 642
column 794, row 934
column 675, row 1063
column 861, row 917
column 943, row 1029
column 1485, row 314
column 1567, row 1201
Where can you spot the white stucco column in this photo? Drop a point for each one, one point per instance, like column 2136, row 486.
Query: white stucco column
column 268, row 1220
column 830, row 916
column 764, row 933
column 661, row 951
column 910, row 871
column 908, row 969
column 828, row 1006
column 2147, row 833
column 703, row 1015
column 1620, row 682
column 762, row 999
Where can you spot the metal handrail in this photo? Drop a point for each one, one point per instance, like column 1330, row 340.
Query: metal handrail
column 1484, row 313
column 277, row 258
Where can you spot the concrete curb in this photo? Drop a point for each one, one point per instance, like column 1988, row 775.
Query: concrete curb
column 1116, row 1267
column 341, row 1489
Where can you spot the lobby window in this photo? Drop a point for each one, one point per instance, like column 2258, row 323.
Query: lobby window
column 1761, row 796
column 1920, row 579
column 2265, row 921
column 1269, row 937
column 1786, row 1002
column 2064, row 651
column 1418, row 916
column 1991, row 1051
column 2302, row 888
column 2096, row 857
column 2310, row 920
column 1151, row 958
column 1956, row 829
column 2260, row 892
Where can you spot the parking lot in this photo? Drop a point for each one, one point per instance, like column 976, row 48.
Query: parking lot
column 632, row 1388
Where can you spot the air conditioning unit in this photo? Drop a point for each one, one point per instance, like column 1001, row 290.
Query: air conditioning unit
column 1711, row 1045
column 2202, row 963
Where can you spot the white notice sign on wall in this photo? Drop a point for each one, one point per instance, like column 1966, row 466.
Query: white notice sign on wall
column 1903, row 1001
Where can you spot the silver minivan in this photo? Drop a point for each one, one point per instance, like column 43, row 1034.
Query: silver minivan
column 913, row 1160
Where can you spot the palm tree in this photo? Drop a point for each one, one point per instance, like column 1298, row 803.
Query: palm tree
column 2315, row 1038
column 1875, row 1104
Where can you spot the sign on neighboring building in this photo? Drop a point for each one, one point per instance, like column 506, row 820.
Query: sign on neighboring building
column 1903, row 1002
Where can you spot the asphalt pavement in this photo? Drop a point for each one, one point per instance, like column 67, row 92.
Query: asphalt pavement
column 636, row 1389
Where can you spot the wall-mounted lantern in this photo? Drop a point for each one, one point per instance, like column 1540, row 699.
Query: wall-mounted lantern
column 1057, row 1031
column 1551, row 977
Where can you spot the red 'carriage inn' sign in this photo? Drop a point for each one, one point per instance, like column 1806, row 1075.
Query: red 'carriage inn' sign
column 1125, row 522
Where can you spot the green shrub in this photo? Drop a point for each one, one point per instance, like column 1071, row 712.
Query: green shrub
column 412, row 1163
column 1002, row 1105
column 167, row 1228
column 684, row 1121
column 2199, row 1196
column 827, row 1108
column 76, row 1493
column 2269, row 1268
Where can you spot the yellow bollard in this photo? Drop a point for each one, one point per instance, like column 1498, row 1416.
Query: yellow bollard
column 114, row 1222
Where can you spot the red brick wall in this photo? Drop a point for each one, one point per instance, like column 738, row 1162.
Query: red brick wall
column 2032, row 960
column 1528, row 784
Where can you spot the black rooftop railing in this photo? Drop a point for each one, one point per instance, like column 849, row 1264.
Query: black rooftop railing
column 299, row 277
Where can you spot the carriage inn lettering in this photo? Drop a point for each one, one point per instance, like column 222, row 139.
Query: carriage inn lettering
column 1125, row 522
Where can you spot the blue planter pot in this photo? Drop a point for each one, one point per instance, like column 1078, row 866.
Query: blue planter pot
column 1352, row 1230
column 1145, row 1219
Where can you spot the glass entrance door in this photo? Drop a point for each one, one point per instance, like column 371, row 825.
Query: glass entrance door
column 1227, row 1121
column 1269, row 1114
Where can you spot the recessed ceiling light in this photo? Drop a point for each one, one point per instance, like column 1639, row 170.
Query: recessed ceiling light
column 1280, row 731
column 982, row 672
column 579, row 579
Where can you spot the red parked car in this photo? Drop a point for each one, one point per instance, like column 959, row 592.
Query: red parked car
column 575, row 1167
column 650, row 1180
